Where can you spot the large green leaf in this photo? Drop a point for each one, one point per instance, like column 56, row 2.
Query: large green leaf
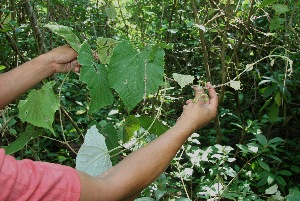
column 93, row 157
column 39, row 107
column 30, row 133
column 134, row 74
column 66, row 33
column 96, row 78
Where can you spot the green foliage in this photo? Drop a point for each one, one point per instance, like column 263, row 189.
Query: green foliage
column 30, row 133
column 39, row 107
column 266, row 3
column 133, row 75
column 95, row 76
column 249, row 50
column 66, row 33
column 104, row 49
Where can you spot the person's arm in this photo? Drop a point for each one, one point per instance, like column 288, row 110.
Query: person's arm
column 125, row 180
column 17, row 81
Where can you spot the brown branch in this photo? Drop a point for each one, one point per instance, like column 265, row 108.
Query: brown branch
column 36, row 30
column 170, row 19
column 123, row 19
column 207, row 69
column 223, row 67
column 13, row 45
column 203, row 44
column 72, row 121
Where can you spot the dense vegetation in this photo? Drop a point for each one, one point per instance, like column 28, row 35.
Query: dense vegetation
column 248, row 49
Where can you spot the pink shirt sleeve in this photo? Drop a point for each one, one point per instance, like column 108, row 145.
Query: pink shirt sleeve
column 22, row 180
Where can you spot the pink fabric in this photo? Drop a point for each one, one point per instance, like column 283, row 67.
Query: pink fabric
column 22, row 180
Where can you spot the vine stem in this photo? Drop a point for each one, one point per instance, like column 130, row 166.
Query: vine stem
column 250, row 66
column 147, row 131
column 60, row 115
column 241, row 170
column 181, row 179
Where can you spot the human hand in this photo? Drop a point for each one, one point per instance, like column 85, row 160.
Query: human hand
column 201, row 110
column 62, row 59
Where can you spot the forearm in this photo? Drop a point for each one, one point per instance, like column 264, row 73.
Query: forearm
column 147, row 163
column 140, row 168
column 20, row 79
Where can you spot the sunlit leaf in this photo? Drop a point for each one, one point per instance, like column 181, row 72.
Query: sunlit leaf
column 235, row 84
column 183, row 80
column 30, row 133
column 93, row 157
column 253, row 147
column 271, row 179
column 39, row 107
column 105, row 48
column 96, row 78
column 199, row 26
column 2, row 67
column 249, row 67
column 272, row 190
column 111, row 12
column 66, row 33
column 132, row 75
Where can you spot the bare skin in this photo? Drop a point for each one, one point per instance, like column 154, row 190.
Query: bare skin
column 20, row 79
column 128, row 178
column 140, row 168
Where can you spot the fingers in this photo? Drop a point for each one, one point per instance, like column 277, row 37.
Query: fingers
column 188, row 101
column 213, row 95
column 198, row 91
column 73, row 65
column 202, row 97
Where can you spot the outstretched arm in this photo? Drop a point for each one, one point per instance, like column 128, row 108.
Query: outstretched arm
column 17, row 81
column 140, row 168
